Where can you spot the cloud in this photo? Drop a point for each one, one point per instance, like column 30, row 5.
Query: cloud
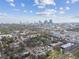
column 67, row 8
column 22, row 4
column 61, row 10
column 0, row 14
column 47, row 1
column 25, row 11
column 10, row 1
column 67, row 1
column 47, row 12
column 12, row 4
column 74, row 1
column 41, row 6
column 43, row 13
column 3, row 14
column 44, row 2
column 31, row 11
column 16, row 9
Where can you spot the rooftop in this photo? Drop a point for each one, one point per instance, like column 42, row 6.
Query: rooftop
column 67, row 45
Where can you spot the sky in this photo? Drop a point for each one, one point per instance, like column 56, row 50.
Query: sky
column 14, row 11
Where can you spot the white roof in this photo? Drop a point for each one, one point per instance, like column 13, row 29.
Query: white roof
column 67, row 45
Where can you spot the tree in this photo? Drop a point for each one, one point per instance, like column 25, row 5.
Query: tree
column 53, row 54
